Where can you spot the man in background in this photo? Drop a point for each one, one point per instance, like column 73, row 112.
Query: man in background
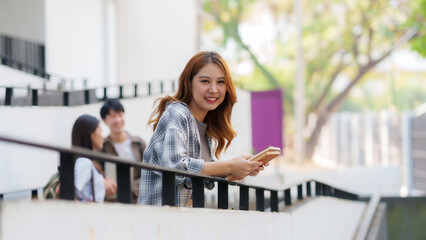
column 121, row 143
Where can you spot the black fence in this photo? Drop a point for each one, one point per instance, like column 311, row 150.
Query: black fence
column 124, row 195
column 24, row 55
column 45, row 97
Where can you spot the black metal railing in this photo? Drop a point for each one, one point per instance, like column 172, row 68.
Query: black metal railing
column 124, row 195
column 22, row 54
column 80, row 97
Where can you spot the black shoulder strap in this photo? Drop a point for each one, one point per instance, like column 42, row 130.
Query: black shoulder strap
column 93, row 187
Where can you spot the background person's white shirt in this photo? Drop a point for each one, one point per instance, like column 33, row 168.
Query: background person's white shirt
column 83, row 171
column 124, row 149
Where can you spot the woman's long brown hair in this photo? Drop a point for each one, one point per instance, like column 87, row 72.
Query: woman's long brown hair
column 218, row 121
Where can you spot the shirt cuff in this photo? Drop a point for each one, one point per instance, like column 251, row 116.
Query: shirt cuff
column 192, row 165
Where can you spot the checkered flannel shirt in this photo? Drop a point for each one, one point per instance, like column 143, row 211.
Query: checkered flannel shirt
column 175, row 144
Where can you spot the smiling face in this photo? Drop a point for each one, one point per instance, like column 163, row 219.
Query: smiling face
column 115, row 121
column 208, row 90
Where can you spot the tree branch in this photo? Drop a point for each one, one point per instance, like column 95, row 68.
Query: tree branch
column 338, row 101
column 315, row 107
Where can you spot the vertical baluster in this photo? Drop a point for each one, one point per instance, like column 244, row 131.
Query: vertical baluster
column 87, row 96
column 318, row 189
column 274, row 201
column 34, row 97
column 308, row 189
column 222, row 202
column 260, row 199
column 120, row 90
column 66, row 176
column 169, row 189
column 287, row 197
column 105, row 93
column 244, row 198
column 8, row 98
column 66, row 98
column 300, row 192
column 198, row 192
column 124, row 193
column 136, row 90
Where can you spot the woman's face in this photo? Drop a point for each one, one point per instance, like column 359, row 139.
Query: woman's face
column 97, row 139
column 208, row 90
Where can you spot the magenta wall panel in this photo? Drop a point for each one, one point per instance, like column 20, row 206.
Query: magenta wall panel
column 266, row 115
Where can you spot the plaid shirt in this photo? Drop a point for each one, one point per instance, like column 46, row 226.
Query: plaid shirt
column 174, row 144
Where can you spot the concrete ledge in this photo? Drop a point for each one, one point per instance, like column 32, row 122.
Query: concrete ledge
column 321, row 218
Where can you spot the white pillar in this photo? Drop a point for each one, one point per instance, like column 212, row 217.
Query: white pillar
column 384, row 138
column 299, row 100
column 369, row 139
column 355, row 139
column 407, row 160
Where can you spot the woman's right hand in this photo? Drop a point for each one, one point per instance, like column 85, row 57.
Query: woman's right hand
column 110, row 186
column 241, row 167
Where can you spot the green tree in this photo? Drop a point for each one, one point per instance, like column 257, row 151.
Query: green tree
column 339, row 37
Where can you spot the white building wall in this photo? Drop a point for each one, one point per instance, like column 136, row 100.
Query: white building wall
column 75, row 39
column 155, row 38
column 23, row 19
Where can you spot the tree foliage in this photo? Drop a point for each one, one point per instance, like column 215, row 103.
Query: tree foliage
column 340, row 38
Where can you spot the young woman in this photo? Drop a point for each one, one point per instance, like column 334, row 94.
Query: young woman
column 186, row 124
column 87, row 133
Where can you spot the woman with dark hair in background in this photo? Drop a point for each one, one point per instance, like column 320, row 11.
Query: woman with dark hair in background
column 87, row 133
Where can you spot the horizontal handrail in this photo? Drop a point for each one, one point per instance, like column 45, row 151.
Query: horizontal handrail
column 123, row 180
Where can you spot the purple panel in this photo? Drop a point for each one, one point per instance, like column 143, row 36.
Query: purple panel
column 266, row 115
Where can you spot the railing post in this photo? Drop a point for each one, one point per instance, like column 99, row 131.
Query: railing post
column 337, row 193
column 222, row 202
column 331, row 191
column 300, row 192
column 325, row 190
column 34, row 97
column 287, row 197
column 197, row 192
column 8, row 99
column 169, row 189
column 66, row 176
column 173, row 85
column 274, row 201
column 34, row 194
column 124, row 193
column 149, row 89
column 308, row 189
column 120, row 90
column 136, row 90
column 161, row 87
column 66, row 98
column 260, row 200
column 244, row 198
column 86, row 96
column 318, row 189
column 105, row 93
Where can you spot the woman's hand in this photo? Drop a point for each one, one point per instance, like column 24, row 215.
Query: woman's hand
column 110, row 186
column 241, row 167
column 260, row 168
